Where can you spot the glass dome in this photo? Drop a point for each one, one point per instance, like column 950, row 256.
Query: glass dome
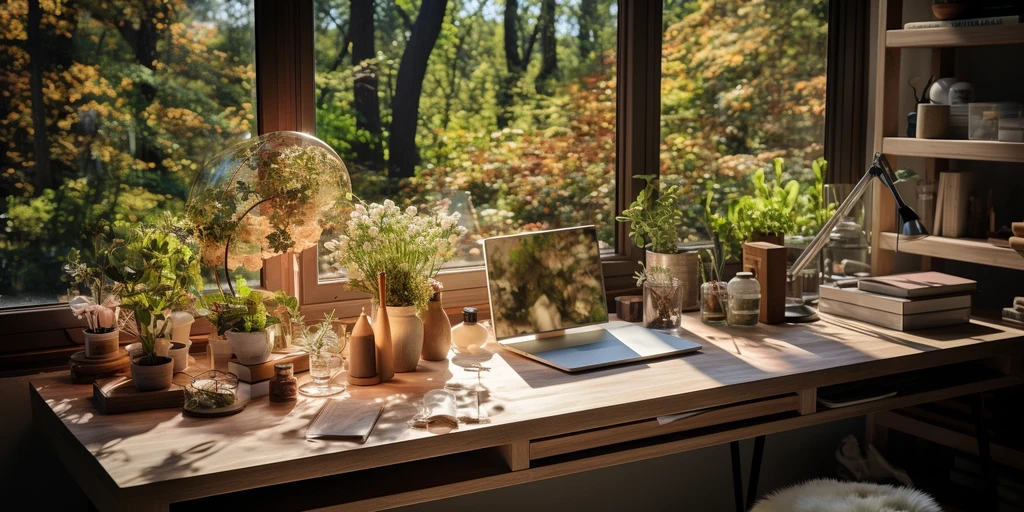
column 266, row 196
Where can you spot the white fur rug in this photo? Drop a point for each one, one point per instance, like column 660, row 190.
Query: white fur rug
column 828, row 495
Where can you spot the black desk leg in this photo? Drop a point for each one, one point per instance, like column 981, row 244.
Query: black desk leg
column 755, row 471
column 737, row 476
column 984, row 452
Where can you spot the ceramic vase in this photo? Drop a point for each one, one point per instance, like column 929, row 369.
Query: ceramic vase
column 102, row 345
column 179, row 353
column 437, row 331
column 252, row 347
column 406, row 337
column 181, row 326
column 685, row 266
column 152, row 377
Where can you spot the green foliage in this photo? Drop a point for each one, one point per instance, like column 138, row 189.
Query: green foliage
column 320, row 337
column 769, row 211
column 656, row 275
column 246, row 311
column 655, row 222
column 813, row 209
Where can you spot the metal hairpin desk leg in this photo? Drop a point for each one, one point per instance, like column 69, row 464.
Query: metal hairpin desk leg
column 737, row 475
column 984, row 452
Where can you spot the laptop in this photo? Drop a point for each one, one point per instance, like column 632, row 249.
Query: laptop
column 547, row 298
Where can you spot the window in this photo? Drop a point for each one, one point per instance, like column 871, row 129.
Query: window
column 742, row 83
column 107, row 111
column 505, row 109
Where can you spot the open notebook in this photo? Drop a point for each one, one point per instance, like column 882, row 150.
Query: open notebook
column 347, row 419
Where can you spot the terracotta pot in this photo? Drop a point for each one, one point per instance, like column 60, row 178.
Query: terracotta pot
column 252, row 347
column 179, row 353
column 406, row 337
column 685, row 266
column 152, row 377
column 102, row 345
column 437, row 331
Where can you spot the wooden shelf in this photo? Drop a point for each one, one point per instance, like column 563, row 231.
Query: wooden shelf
column 956, row 149
column 959, row 249
column 955, row 37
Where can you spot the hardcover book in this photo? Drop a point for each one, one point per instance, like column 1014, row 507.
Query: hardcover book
column 251, row 373
column 896, row 305
column 917, row 284
column 346, row 419
column 970, row 22
column 117, row 395
column 895, row 321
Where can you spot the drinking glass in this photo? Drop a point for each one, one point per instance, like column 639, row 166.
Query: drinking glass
column 323, row 368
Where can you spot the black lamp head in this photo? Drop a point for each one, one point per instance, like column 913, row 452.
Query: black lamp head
column 911, row 223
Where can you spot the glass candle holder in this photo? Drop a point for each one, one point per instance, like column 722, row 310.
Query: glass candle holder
column 663, row 302
column 211, row 389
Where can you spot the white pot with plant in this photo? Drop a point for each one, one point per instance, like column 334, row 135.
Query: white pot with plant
column 655, row 225
column 409, row 247
column 94, row 300
column 156, row 274
column 251, row 329
column 324, row 345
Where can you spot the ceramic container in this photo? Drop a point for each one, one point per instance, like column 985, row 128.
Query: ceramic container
column 102, row 345
column 437, row 331
column 179, row 353
column 468, row 337
column 251, row 347
column 181, row 322
column 932, row 121
column 153, row 377
column 744, row 300
column 406, row 337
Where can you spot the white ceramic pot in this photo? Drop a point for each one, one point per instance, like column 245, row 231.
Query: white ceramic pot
column 101, row 345
column 179, row 353
column 406, row 337
column 252, row 347
column 181, row 326
column 152, row 377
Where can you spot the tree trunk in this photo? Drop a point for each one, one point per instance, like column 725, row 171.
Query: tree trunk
column 41, row 146
column 515, row 65
column 367, row 103
column 405, row 107
column 548, row 47
column 588, row 32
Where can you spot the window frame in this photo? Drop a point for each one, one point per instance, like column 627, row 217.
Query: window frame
column 285, row 101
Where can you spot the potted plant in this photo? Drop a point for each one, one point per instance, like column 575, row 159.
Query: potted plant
column 94, row 299
column 714, row 287
column 245, row 322
column 324, row 345
column 409, row 247
column 156, row 274
column 766, row 215
column 286, row 308
column 656, row 226
column 662, row 298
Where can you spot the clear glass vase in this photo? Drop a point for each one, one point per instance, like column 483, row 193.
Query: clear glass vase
column 663, row 302
column 714, row 298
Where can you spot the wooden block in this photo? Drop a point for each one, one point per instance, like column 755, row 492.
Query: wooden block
column 118, row 395
column 517, row 455
column 86, row 371
column 768, row 263
column 259, row 372
column 808, row 400
column 629, row 308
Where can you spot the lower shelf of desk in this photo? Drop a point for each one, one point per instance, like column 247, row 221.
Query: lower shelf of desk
column 491, row 468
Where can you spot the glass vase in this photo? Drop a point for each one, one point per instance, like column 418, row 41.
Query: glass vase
column 714, row 298
column 662, row 304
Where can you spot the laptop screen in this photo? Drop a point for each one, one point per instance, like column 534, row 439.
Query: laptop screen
column 544, row 281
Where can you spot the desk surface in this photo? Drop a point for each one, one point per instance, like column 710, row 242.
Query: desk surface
column 163, row 456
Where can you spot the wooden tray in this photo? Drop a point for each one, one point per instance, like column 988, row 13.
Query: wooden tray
column 86, row 371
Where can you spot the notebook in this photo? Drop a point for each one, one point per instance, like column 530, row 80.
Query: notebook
column 346, row 419
column 917, row 284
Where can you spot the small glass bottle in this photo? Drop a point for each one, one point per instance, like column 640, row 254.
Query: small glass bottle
column 469, row 336
column 713, row 298
column 283, row 387
column 744, row 300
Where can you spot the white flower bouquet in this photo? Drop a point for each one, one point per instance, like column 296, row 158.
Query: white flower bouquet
column 409, row 246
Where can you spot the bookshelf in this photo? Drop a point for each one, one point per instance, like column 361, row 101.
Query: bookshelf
column 955, row 37
column 959, row 249
column 888, row 139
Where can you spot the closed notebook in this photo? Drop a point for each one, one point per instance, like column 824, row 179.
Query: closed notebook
column 917, row 284
column 897, row 305
column 348, row 419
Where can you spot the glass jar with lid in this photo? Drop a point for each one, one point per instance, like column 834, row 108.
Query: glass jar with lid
column 744, row 300
column 847, row 251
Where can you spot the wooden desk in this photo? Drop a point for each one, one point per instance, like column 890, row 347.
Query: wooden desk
column 543, row 422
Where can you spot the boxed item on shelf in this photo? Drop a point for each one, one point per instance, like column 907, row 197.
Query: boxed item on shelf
column 958, row 122
column 983, row 119
column 1011, row 124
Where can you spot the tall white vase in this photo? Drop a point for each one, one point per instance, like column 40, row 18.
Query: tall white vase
column 406, row 337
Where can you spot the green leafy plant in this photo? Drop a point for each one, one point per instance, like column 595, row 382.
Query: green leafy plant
column 656, row 275
column 155, row 273
column 246, row 312
column 812, row 208
column 408, row 246
column 769, row 210
column 655, row 221
column 320, row 337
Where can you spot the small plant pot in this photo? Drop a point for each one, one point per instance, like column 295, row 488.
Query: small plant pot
column 152, row 377
column 179, row 353
column 102, row 345
column 252, row 347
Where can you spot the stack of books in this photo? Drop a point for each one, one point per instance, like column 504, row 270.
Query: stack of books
column 903, row 302
column 254, row 379
column 969, row 22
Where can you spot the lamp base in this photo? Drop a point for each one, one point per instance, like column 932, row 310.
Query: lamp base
column 801, row 313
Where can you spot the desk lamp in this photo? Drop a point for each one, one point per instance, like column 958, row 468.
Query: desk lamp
column 910, row 225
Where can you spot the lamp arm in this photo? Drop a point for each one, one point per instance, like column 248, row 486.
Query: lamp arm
column 819, row 240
